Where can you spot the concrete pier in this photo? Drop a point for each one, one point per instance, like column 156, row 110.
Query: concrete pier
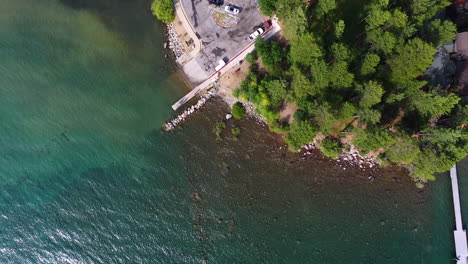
column 461, row 245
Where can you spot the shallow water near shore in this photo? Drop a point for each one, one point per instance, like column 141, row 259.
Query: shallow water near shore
column 87, row 176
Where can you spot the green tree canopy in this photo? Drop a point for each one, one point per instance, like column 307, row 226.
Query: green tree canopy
column 331, row 147
column 369, row 63
column 339, row 75
column 382, row 41
column 301, row 133
column 433, row 105
column 300, row 83
column 377, row 18
column 277, row 91
column 404, row 150
column 238, row 110
column 320, row 76
column 339, row 29
column 304, row 50
column 398, row 19
column 163, row 10
column 340, row 51
column 324, row 7
column 370, row 93
column 369, row 116
column 411, row 61
column 440, row 32
column 373, row 139
column 267, row 6
column 323, row 118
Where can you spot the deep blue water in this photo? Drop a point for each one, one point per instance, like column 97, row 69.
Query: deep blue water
column 87, row 176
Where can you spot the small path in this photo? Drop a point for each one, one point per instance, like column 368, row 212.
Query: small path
column 182, row 60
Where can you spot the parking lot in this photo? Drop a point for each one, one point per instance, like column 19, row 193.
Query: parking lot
column 220, row 42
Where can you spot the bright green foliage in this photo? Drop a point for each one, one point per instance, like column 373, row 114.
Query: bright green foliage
column 373, row 139
column 271, row 53
column 251, row 57
column 324, row 6
column 267, row 6
column 383, row 41
column 300, row 83
column 287, row 8
column 340, row 52
column 297, row 23
column 339, row 28
column 398, row 19
column 301, row 133
column 339, row 75
column 304, row 50
column 323, row 118
column 370, row 93
column 238, row 110
column 377, row 18
column 163, row 10
column 440, row 32
column 331, row 147
column 404, row 150
column 378, row 4
column 235, row 133
column 460, row 117
column 320, row 76
column 440, row 150
column 411, row 61
column 423, row 10
column 369, row 63
column 359, row 67
column 347, row 110
column 432, row 105
column 369, row 116
column 277, row 91
column 219, row 129
column 268, row 114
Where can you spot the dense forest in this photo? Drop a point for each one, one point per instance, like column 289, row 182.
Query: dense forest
column 356, row 69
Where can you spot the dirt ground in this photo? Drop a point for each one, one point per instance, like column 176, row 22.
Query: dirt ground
column 232, row 80
column 287, row 113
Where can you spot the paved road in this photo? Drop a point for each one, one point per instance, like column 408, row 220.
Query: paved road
column 232, row 63
column 221, row 43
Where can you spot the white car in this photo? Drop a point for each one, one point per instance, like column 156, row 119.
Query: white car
column 221, row 64
column 232, row 10
column 257, row 33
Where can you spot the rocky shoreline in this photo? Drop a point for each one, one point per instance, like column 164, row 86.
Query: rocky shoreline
column 347, row 159
column 174, row 42
column 171, row 125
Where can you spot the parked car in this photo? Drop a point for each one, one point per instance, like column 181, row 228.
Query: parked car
column 256, row 33
column 232, row 9
column 221, row 64
column 216, row 2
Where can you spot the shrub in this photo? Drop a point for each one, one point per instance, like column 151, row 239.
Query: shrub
column 301, row 133
column 404, row 150
column 331, row 147
column 238, row 110
column 251, row 57
column 218, row 129
column 163, row 10
column 235, row 133
column 373, row 139
column 267, row 6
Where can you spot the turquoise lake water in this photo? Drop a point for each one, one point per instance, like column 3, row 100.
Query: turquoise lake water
column 87, row 176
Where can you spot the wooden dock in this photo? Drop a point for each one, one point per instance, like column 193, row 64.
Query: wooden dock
column 461, row 245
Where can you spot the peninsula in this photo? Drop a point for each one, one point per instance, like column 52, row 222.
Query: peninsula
column 381, row 79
